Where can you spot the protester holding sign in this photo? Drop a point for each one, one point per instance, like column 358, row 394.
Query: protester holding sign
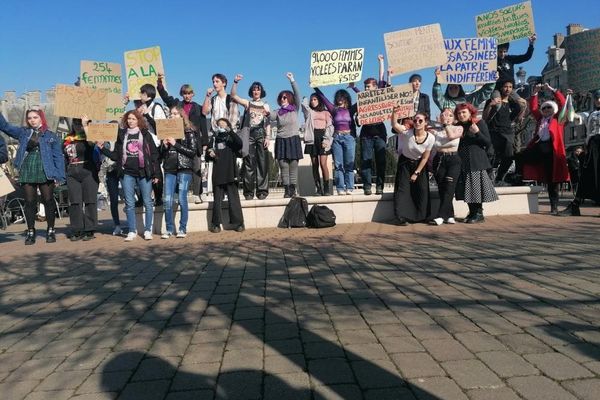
column 411, row 186
column 178, row 164
column 193, row 111
column 474, row 184
column 455, row 94
column 256, row 130
column 318, row 136
column 500, row 112
column 446, row 165
column 544, row 159
column 288, row 147
column 137, row 164
column 344, row 142
column 41, row 165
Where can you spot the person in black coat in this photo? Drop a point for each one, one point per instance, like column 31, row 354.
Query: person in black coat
column 474, row 184
column 193, row 111
column 222, row 151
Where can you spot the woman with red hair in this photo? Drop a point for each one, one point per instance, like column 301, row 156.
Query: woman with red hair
column 474, row 184
column 544, row 159
column 41, row 165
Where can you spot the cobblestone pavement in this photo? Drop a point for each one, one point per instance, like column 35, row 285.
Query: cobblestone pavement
column 508, row 309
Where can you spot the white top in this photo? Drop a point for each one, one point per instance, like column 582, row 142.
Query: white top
column 442, row 142
column 413, row 150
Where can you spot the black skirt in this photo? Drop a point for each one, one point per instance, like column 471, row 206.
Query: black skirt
column 411, row 199
column 288, row 148
column 316, row 148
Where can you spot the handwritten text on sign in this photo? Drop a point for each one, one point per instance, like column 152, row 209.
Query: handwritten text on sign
column 107, row 77
column 75, row 101
column 416, row 48
column 583, row 58
column 333, row 67
column 507, row 24
column 142, row 66
column 102, row 132
column 470, row 61
column 170, row 128
column 376, row 106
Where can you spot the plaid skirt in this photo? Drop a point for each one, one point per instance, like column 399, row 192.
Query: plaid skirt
column 32, row 170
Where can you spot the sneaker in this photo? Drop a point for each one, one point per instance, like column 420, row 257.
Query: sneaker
column 165, row 235
column 248, row 196
column 436, row 221
column 197, row 199
column 341, row 193
column 450, row 221
column 117, row 231
column 262, row 196
column 147, row 235
column 130, row 236
column 87, row 236
column 75, row 236
column 368, row 192
column 349, row 192
column 181, row 234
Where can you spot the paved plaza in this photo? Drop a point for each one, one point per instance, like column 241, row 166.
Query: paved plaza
column 509, row 309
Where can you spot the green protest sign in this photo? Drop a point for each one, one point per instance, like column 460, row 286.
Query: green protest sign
column 107, row 77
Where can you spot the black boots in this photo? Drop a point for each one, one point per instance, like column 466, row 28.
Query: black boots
column 50, row 235
column 475, row 214
column 286, row 193
column 292, row 190
column 572, row 210
column 319, row 191
column 326, row 188
column 30, row 237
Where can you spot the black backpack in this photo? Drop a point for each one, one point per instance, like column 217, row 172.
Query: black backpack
column 320, row 217
column 295, row 213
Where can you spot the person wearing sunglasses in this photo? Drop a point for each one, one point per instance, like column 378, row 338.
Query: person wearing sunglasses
column 288, row 146
column 411, row 186
column 41, row 165
column 474, row 184
column 544, row 158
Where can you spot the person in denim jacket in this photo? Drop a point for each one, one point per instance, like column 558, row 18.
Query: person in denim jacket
column 41, row 165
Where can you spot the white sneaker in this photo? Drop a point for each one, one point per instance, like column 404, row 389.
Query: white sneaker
column 197, row 199
column 438, row 221
column 117, row 231
column 165, row 235
column 147, row 235
column 348, row 192
column 130, row 236
column 181, row 234
column 341, row 193
column 450, row 221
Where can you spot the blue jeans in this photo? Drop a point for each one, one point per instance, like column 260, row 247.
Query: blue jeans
column 343, row 148
column 368, row 144
column 181, row 181
column 128, row 182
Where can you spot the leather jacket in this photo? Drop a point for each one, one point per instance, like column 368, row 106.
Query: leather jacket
column 181, row 154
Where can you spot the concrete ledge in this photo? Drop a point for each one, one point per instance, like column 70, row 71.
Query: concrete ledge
column 348, row 209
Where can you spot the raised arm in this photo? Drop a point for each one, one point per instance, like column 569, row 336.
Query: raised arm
column 381, row 67
column 329, row 105
column 527, row 55
column 169, row 101
column 207, row 105
column 295, row 89
column 436, row 93
column 11, row 130
column 242, row 102
column 398, row 127
column 481, row 95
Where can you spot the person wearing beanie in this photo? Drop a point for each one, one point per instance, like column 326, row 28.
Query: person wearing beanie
column 589, row 173
column 544, row 159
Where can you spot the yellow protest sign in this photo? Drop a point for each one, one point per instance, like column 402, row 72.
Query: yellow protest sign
column 415, row 48
column 376, row 106
column 102, row 132
column 142, row 66
column 333, row 67
column 75, row 101
column 107, row 77
column 170, row 128
column 507, row 24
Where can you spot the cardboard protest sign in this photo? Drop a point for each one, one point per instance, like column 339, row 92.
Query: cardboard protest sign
column 416, row 48
column 107, row 77
column 102, row 132
column 75, row 101
column 507, row 24
column 333, row 67
column 583, row 58
column 6, row 185
column 142, row 66
column 470, row 61
column 170, row 128
column 376, row 106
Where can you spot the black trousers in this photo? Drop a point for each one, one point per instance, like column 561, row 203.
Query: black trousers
column 255, row 166
column 447, row 171
column 411, row 199
column 236, row 217
column 197, row 176
column 82, row 182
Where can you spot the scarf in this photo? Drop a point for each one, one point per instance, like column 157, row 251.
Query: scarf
column 286, row 109
column 141, row 146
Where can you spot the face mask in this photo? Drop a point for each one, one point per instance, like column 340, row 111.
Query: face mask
column 221, row 130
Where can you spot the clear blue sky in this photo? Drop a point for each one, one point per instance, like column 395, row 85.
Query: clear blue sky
column 43, row 41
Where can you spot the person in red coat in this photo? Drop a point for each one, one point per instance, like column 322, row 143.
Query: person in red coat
column 544, row 159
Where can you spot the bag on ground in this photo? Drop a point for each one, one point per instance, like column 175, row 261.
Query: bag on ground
column 320, row 217
column 295, row 213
